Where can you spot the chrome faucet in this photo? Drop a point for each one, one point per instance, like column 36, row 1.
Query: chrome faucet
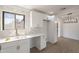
column 16, row 32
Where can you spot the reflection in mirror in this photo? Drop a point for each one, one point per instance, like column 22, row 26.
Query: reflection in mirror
column 20, row 22
column 8, row 21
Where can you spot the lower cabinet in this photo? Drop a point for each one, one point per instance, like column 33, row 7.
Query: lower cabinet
column 10, row 50
column 40, row 42
column 19, row 46
column 24, row 46
column 43, row 42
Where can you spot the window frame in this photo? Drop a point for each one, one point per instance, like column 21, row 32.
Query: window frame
column 3, row 27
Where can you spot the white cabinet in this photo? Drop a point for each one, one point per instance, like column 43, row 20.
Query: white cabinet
column 12, row 49
column 24, row 46
column 43, row 42
column 40, row 42
column 19, row 46
column 37, row 19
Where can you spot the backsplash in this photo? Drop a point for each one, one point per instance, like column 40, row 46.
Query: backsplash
column 21, row 32
column 7, row 33
column 36, row 30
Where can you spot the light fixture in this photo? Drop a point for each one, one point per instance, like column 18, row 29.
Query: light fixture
column 70, row 19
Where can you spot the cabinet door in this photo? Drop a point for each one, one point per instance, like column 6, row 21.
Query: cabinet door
column 42, row 42
column 9, row 47
column 24, row 46
column 8, row 44
column 12, row 49
column 20, row 46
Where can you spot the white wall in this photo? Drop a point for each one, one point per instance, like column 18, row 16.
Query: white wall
column 60, row 27
column 0, row 18
column 71, row 30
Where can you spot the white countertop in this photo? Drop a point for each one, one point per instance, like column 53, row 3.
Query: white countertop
column 3, row 40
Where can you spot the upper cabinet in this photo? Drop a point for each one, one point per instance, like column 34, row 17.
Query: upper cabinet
column 13, row 21
column 37, row 19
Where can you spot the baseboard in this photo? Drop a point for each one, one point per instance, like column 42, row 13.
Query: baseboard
column 53, row 42
column 69, row 38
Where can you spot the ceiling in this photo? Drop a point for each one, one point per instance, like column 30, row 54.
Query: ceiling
column 49, row 9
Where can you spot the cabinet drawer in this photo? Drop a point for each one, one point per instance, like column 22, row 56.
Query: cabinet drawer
column 16, row 49
column 42, row 45
column 9, row 44
column 20, row 46
column 43, row 42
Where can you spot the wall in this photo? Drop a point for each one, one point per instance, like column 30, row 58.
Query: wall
column 0, row 17
column 71, row 30
column 60, row 27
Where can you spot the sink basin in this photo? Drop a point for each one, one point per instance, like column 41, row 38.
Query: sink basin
column 14, row 38
column 7, row 39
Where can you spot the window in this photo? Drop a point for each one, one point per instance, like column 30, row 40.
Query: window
column 19, row 22
column 9, row 21
column 13, row 21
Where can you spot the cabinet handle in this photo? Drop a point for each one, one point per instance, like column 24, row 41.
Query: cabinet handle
column 0, row 47
column 18, row 47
